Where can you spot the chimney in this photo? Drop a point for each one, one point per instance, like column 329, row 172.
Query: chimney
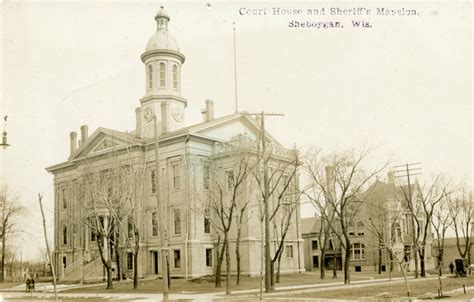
column 73, row 143
column 331, row 181
column 164, row 117
column 138, row 122
column 390, row 177
column 208, row 112
column 84, row 134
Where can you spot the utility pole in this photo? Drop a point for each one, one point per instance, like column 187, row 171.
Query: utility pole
column 40, row 199
column 408, row 170
column 266, row 193
column 161, row 209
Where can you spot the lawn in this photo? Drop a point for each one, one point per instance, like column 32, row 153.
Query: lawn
column 206, row 284
column 418, row 288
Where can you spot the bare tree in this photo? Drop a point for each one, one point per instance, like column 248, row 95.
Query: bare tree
column 340, row 178
column 462, row 217
column 431, row 194
column 441, row 222
column 276, row 176
column 284, row 189
column 11, row 210
column 241, row 209
column 106, row 196
column 226, row 189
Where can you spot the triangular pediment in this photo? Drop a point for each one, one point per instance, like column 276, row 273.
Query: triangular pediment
column 229, row 129
column 103, row 141
column 106, row 143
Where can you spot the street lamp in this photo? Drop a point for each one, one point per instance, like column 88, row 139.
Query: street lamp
column 4, row 143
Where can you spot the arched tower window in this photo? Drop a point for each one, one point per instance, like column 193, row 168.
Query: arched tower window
column 150, row 76
column 162, row 75
column 175, row 76
column 64, row 234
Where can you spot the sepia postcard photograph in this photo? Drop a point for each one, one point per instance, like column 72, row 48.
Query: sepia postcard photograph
column 242, row 151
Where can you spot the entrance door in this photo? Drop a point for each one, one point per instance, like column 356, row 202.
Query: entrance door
column 154, row 262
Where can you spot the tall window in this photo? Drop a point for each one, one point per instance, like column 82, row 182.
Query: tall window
column 230, row 179
column 162, row 75
column 153, row 181
column 177, row 221
column 130, row 227
column 205, row 177
column 177, row 259
column 129, row 260
column 176, row 180
column 360, row 228
column 289, row 251
column 64, row 199
column 64, row 234
column 357, row 251
column 209, row 257
column 93, row 235
column 314, row 244
column 175, row 77
column 150, row 77
column 207, row 221
column 154, row 224
column 351, row 230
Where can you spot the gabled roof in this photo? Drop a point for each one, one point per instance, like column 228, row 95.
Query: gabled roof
column 200, row 129
column 104, row 140
column 310, row 225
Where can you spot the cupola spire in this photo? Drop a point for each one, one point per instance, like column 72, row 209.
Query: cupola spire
column 162, row 19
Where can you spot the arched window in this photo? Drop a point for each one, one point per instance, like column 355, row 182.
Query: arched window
column 64, row 234
column 175, row 77
column 150, row 76
column 357, row 251
column 162, row 75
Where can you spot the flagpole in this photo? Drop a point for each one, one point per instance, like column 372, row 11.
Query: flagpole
column 235, row 72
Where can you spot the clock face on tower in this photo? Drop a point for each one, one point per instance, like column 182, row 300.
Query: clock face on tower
column 178, row 114
column 148, row 114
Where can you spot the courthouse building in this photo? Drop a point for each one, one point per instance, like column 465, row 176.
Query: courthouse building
column 185, row 154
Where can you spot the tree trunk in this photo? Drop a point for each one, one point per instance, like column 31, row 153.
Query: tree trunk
column 278, row 269
column 334, row 265
column 135, row 260
column 227, row 264
column 109, row 275
column 118, row 256
column 237, row 254
column 322, row 272
column 422, row 261
column 2, row 268
column 347, row 276
column 440, row 272
column 272, row 275
column 105, row 261
column 380, row 260
column 406, row 280
column 220, row 259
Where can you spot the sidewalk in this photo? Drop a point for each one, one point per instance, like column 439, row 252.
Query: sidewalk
column 241, row 295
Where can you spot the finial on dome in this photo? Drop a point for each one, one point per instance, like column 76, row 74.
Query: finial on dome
column 162, row 19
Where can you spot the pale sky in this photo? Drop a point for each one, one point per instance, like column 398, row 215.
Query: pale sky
column 403, row 86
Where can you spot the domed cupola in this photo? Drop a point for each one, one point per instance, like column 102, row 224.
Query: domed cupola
column 163, row 100
column 162, row 40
